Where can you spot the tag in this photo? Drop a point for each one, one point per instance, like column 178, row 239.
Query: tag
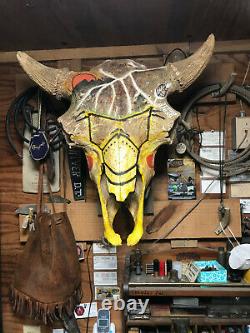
column 25, row 223
column 77, row 168
column 38, row 146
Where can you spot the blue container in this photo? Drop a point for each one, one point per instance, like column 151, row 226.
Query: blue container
column 220, row 275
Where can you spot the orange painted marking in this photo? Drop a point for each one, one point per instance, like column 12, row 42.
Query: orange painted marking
column 82, row 76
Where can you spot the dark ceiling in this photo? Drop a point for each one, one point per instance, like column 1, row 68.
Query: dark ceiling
column 50, row 24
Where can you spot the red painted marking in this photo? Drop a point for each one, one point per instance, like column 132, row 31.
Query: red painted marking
column 82, row 76
column 162, row 268
column 89, row 162
column 151, row 160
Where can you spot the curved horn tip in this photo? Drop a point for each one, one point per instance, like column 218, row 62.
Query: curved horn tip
column 21, row 55
column 211, row 39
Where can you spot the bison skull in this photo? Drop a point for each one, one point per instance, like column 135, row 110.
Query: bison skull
column 119, row 115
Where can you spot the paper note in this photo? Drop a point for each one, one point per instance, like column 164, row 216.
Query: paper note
column 105, row 262
column 99, row 248
column 241, row 190
column 211, row 153
column 105, row 278
column 211, row 186
column 211, row 138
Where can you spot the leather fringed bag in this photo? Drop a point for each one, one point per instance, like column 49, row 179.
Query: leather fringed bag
column 47, row 280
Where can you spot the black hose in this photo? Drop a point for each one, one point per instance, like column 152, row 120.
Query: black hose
column 230, row 166
column 19, row 117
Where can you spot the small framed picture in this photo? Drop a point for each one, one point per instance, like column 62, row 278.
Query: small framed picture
column 106, row 292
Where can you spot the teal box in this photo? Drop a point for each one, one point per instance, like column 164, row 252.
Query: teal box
column 220, row 275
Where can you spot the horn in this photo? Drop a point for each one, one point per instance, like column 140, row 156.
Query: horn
column 184, row 72
column 55, row 81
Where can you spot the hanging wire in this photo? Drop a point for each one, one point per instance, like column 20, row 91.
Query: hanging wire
column 244, row 80
column 19, row 118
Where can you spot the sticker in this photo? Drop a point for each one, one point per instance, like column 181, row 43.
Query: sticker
column 107, row 292
column 105, row 278
column 245, row 205
column 99, row 248
column 84, row 310
column 162, row 90
column 105, row 262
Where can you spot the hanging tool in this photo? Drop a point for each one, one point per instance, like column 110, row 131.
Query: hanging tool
column 38, row 145
column 224, row 218
column 223, row 212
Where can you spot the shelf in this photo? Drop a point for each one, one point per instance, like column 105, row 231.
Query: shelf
column 201, row 320
column 192, row 290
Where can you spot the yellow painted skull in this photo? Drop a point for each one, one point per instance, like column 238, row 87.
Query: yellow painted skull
column 119, row 115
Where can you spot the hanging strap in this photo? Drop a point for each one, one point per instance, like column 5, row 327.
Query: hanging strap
column 40, row 207
column 50, row 190
column 63, row 182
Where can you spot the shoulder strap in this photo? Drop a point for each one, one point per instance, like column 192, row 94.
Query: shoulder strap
column 40, row 189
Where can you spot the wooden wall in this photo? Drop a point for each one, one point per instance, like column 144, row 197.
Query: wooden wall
column 11, row 195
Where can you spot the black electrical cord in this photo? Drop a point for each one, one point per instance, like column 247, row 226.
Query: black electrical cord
column 90, row 287
column 177, row 49
column 19, row 118
column 185, row 133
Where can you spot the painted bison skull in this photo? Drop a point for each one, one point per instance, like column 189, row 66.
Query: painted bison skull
column 119, row 115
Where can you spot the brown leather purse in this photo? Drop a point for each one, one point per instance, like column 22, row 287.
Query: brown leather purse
column 47, row 280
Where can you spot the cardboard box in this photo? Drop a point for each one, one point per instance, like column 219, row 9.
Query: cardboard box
column 220, row 275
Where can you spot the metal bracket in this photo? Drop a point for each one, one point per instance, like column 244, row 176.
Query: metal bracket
column 58, row 199
column 181, row 325
column 26, row 209
column 224, row 219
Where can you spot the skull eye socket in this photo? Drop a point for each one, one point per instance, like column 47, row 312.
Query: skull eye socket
column 90, row 162
column 82, row 77
column 150, row 160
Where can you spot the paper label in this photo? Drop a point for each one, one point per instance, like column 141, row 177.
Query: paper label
column 211, row 138
column 99, row 248
column 105, row 262
column 211, row 153
column 105, row 278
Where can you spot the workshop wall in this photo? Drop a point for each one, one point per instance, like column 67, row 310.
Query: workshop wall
column 11, row 195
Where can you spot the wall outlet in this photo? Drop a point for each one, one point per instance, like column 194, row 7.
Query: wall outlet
column 241, row 132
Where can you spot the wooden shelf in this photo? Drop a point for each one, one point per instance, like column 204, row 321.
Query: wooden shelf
column 200, row 320
column 199, row 290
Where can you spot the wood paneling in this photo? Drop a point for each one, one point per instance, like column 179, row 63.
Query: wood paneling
column 11, row 196
column 45, row 24
column 132, row 51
